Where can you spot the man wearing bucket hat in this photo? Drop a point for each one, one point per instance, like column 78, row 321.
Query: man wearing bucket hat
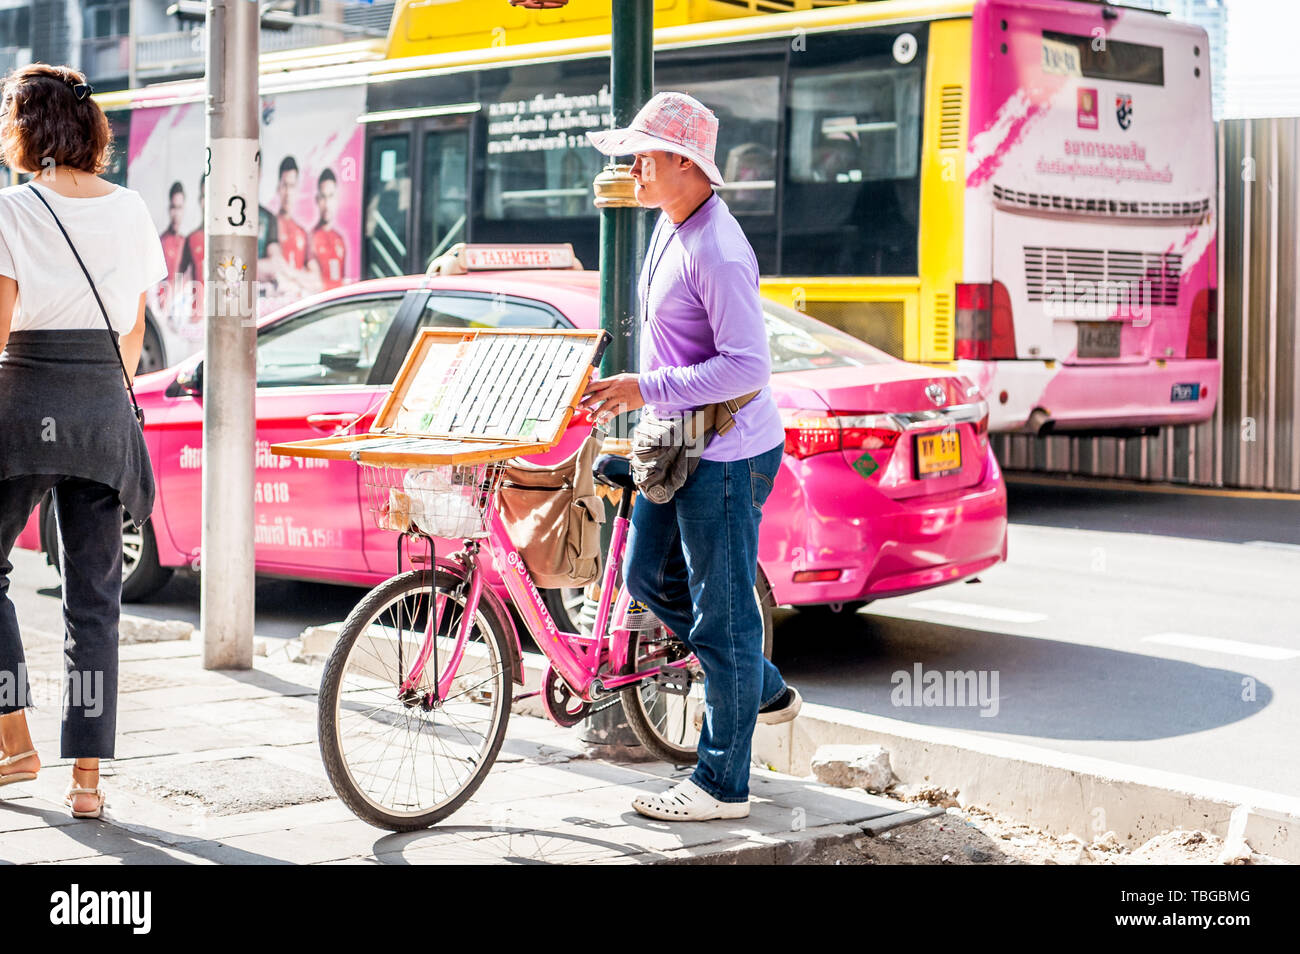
column 693, row 559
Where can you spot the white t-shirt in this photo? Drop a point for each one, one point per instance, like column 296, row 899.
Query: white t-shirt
column 113, row 233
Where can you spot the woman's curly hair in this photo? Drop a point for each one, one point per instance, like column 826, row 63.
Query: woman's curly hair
column 44, row 122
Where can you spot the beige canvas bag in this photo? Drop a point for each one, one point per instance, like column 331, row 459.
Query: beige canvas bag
column 553, row 516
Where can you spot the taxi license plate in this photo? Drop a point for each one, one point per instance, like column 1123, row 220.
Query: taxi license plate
column 937, row 455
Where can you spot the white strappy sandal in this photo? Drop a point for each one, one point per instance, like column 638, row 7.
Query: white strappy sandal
column 75, row 790
column 8, row 778
column 686, row 801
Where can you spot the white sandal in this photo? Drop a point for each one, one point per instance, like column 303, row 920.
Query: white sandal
column 75, row 790
column 686, row 801
column 8, row 778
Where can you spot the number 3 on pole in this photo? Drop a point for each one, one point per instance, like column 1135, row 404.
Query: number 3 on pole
column 243, row 204
column 232, row 187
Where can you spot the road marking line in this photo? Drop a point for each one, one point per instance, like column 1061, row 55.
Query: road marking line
column 1032, row 479
column 1231, row 646
column 979, row 612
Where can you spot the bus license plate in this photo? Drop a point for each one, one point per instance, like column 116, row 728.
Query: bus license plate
column 1099, row 339
column 938, row 454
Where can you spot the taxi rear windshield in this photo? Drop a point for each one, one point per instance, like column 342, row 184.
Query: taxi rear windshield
column 800, row 343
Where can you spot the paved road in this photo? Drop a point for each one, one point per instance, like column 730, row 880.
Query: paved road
column 1175, row 652
column 1149, row 629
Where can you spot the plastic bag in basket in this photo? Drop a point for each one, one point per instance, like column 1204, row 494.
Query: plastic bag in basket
column 395, row 512
column 441, row 507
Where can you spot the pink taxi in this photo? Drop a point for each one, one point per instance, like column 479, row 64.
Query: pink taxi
column 888, row 484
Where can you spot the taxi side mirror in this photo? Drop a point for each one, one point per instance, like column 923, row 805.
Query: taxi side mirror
column 191, row 382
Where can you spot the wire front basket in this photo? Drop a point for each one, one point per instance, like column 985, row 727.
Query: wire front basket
column 446, row 501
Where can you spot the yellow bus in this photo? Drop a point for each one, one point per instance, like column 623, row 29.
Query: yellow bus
column 1021, row 188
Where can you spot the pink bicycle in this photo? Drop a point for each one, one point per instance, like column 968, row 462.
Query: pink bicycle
column 417, row 692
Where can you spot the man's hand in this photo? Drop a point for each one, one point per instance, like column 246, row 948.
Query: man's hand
column 607, row 398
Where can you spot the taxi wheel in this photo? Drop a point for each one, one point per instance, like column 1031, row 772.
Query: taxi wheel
column 152, row 356
column 142, row 575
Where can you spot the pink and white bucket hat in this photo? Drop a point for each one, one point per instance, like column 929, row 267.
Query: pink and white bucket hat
column 672, row 122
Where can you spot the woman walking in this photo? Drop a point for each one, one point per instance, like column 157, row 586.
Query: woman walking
column 77, row 254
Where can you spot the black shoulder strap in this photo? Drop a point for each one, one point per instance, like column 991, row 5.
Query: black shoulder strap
column 104, row 311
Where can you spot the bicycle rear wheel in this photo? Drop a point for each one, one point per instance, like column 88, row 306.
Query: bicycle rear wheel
column 396, row 760
column 662, row 720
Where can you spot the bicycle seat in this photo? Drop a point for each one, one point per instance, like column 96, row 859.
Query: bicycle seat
column 614, row 471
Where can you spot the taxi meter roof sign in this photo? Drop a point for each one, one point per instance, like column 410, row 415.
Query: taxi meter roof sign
column 462, row 258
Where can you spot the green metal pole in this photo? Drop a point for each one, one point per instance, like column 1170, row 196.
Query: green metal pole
column 622, row 229
column 622, row 246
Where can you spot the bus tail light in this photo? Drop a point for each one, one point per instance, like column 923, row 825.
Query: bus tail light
column 1004, row 329
column 985, row 331
column 808, row 433
column 1203, row 328
column 974, row 322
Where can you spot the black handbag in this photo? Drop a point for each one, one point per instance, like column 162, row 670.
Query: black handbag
column 139, row 414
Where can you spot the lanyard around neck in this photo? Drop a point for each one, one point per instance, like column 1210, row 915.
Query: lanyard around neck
column 653, row 260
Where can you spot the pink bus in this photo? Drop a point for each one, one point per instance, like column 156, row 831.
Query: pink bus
column 1089, row 276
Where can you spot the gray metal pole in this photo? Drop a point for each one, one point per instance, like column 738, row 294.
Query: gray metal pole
column 229, row 368
column 622, row 245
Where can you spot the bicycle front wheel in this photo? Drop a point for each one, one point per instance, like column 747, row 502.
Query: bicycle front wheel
column 403, row 760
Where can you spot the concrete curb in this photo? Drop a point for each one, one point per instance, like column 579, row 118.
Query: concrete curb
column 1060, row 793
column 1057, row 792
column 140, row 629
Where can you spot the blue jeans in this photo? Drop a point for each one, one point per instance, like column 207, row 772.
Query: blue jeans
column 693, row 561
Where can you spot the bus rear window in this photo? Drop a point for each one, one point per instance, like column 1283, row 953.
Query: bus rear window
column 1116, row 60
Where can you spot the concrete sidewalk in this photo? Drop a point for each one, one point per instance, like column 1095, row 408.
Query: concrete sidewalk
column 223, row 767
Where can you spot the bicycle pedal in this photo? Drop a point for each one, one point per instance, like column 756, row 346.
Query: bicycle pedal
column 673, row 680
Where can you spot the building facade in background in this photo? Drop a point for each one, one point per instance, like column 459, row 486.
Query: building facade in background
column 122, row 43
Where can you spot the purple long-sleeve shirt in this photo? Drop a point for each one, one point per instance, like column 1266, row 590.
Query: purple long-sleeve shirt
column 703, row 337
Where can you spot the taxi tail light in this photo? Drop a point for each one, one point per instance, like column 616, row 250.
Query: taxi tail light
column 868, row 432
column 816, row 576
column 808, row 433
column 985, row 327
column 1203, row 328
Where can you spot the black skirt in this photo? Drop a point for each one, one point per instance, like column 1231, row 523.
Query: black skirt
column 64, row 410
